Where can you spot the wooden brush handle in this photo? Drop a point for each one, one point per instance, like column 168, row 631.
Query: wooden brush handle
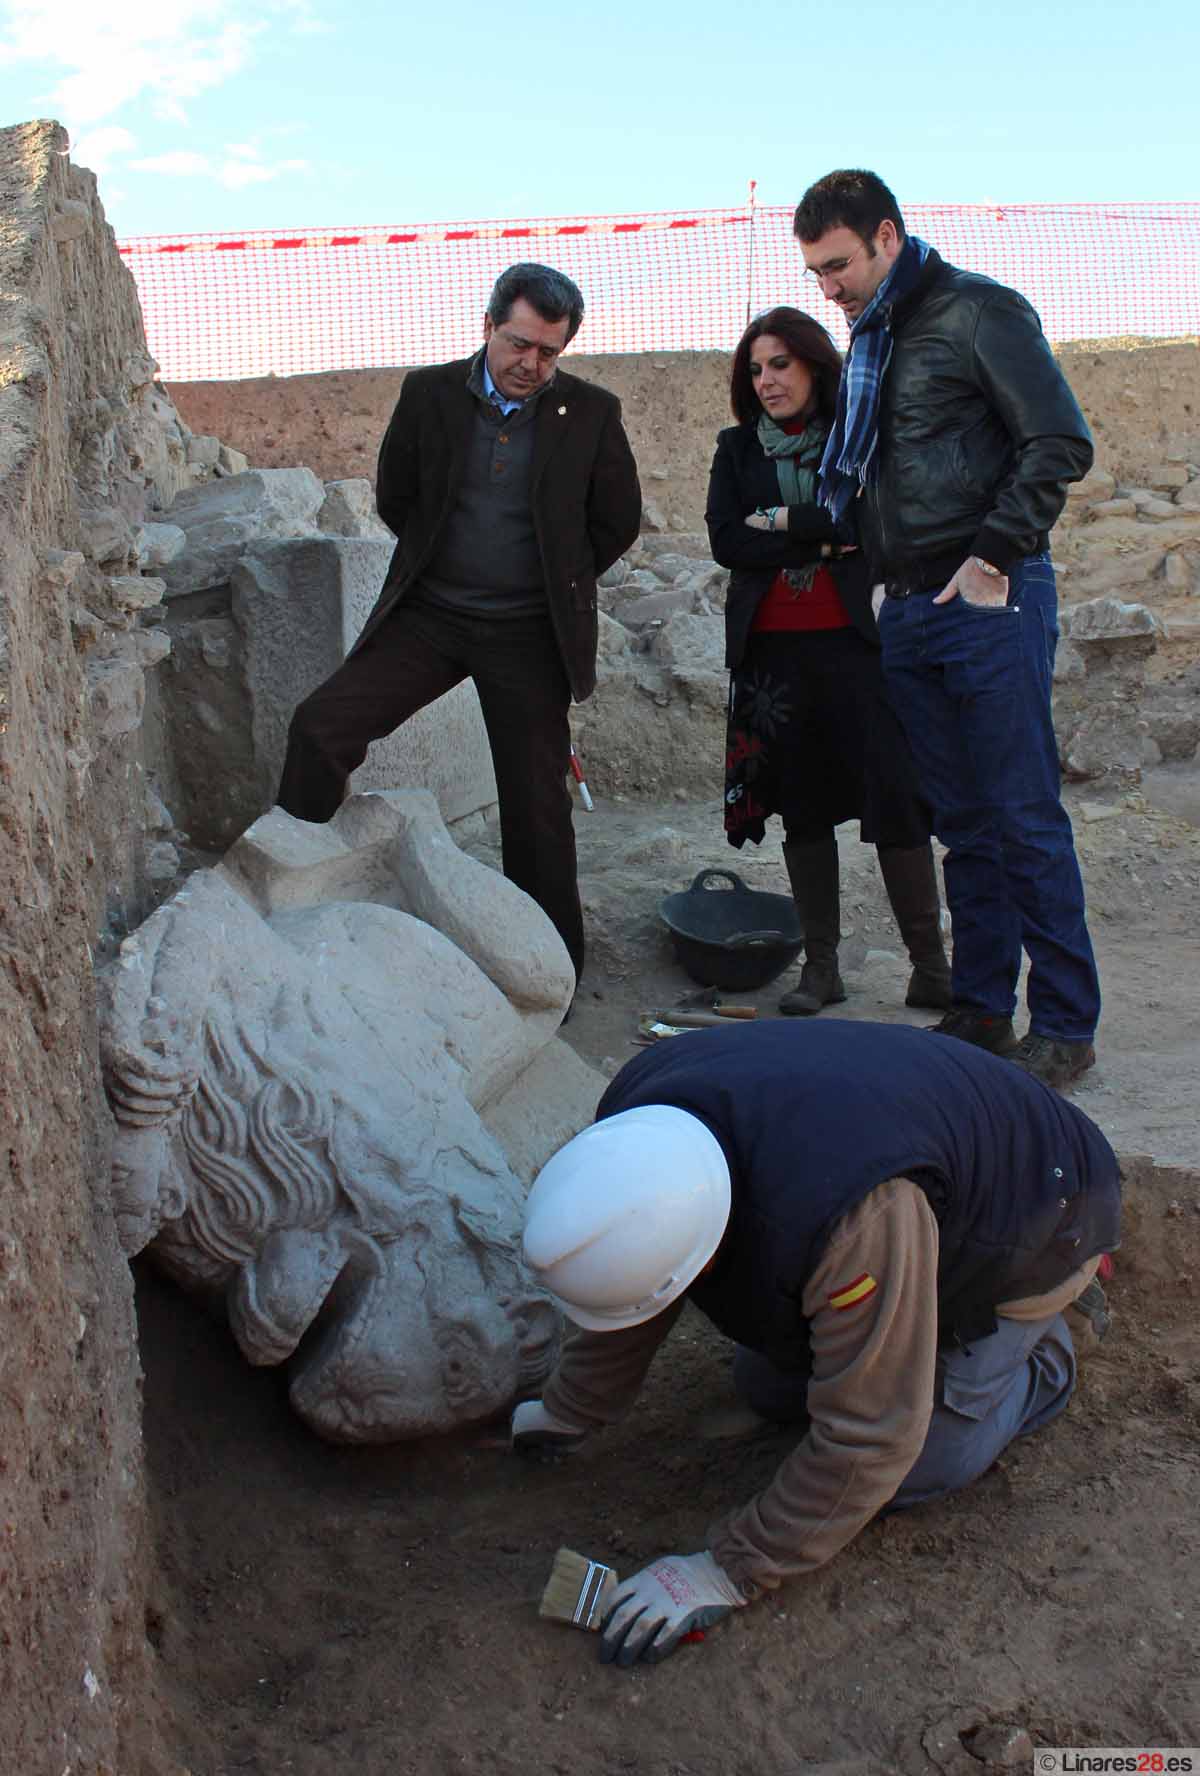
column 705, row 1020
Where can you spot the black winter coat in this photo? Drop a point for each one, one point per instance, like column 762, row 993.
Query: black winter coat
column 743, row 478
column 587, row 505
column 979, row 432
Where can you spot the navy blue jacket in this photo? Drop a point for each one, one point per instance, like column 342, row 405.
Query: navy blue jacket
column 811, row 1117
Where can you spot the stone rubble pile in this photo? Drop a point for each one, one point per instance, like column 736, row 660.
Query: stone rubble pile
column 656, row 724
column 1128, row 559
column 1099, row 687
column 1118, row 538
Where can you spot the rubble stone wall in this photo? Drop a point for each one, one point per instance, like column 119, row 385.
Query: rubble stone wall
column 85, row 446
column 1141, row 398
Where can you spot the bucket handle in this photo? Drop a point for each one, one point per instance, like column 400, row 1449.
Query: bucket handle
column 744, row 940
column 720, row 875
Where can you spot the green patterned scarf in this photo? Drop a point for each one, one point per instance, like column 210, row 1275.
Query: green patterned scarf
column 797, row 457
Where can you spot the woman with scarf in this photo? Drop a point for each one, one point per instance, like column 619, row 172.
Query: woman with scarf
column 811, row 735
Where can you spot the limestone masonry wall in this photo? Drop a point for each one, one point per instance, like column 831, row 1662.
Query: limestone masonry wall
column 81, row 430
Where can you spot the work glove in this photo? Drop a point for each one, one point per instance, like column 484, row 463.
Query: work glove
column 534, row 1429
column 671, row 1597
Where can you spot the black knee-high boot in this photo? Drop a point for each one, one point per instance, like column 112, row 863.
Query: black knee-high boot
column 910, row 878
column 813, row 872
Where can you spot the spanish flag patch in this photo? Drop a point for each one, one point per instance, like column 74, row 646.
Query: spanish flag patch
column 854, row 1292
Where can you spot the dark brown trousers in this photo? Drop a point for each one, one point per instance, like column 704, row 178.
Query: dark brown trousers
column 420, row 652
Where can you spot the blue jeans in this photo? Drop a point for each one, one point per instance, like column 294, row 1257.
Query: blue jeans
column 971, row 686
column 1003, row 1386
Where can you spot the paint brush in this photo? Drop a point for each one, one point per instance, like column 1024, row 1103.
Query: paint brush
column 705, row 1020
column 578, row 1592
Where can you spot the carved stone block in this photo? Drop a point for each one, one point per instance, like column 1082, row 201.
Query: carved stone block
column 315, row 1053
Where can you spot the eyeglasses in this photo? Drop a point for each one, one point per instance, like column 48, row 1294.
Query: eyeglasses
column 832, row 268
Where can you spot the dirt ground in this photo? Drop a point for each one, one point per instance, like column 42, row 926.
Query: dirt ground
column 325, row 1609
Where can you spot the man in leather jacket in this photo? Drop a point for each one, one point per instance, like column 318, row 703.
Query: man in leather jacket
column 955, row 440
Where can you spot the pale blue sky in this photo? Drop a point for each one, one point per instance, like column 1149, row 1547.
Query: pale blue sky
column 228, row 115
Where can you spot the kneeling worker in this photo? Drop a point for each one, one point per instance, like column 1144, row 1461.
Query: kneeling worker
column 889, row 1227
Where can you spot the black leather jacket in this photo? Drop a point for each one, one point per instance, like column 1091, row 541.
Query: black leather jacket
column 743, row 478
column 979, row 433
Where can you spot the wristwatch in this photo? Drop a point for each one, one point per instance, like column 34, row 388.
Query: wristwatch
column 986, row 567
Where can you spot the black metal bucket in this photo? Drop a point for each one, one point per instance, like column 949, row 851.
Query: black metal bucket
column 735, row 941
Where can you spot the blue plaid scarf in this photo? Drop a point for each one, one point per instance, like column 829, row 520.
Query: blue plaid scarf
column 855, row 432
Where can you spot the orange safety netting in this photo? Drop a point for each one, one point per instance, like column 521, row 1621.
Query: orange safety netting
column 261, row 303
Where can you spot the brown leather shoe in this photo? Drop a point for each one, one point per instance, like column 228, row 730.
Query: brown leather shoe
column 1055, row 1063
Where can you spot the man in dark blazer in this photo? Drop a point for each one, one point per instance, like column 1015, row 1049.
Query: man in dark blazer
column 510, row 486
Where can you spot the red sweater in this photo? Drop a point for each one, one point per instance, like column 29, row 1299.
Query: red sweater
column 818, row 607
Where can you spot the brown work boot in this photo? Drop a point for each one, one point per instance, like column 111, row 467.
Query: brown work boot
column 1055, row 1063
column 983, row 1029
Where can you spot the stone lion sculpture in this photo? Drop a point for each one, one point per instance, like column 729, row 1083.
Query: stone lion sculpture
column 333, row 1067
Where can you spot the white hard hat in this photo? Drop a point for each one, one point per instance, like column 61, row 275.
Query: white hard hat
column 626, row 1215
